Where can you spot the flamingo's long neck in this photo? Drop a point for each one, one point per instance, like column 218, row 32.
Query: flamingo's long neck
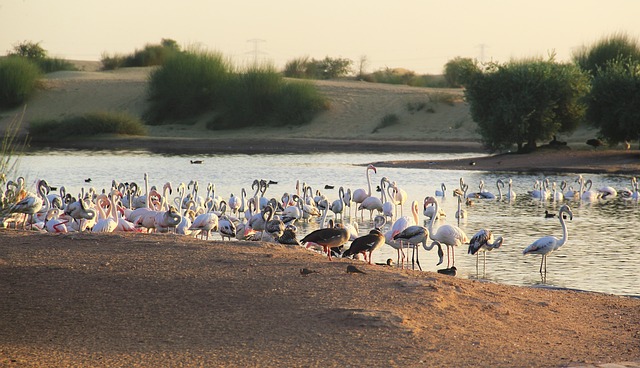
column 565, row 232
column 369, row 182
column 433, row 219
column 414, row 211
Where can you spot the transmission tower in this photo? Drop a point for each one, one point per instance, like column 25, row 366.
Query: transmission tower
column 256, row 42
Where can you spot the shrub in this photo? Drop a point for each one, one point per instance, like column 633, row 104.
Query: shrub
column 387, row 120
column 150, row 55
column 87, row 125
column 18, row 79
column 261, row 96
column 188, row 84
column 35, row 53
column 327, row 68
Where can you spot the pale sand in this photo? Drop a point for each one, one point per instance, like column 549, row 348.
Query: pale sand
column 161, row 300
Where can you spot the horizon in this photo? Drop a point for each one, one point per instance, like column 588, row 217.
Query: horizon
column 420, row 36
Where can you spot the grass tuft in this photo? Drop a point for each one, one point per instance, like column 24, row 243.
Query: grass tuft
column 18, row 80
column 387, row 120
column 91, row 124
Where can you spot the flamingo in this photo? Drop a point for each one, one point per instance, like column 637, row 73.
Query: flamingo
column 387, row 206
column 557, row 195
column 337, row 206
column 106, row 222
column 346, row 199
column 205, row 223
column 415, row 235
column 588, row 194
column 430, row 211
column 511, row 195
column 483, row 241
column 442, row 192
column 53, row 223
column 31, row 203
column 450, row 235
column 398, row 196
column 359, row 195
column 548, row 244
column 461, row 212
column 371, row 204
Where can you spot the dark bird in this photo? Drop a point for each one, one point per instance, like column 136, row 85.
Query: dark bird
column 270, row 182
column 196, row 162
column 288, row 236
column 87, row 180
column 389, row 263
column 329, row 237
column 354, row 269
column 306, row 271
column 328, row 186
column 451, row 271
column 366, row 243
column 549, row 215
column 595, row 143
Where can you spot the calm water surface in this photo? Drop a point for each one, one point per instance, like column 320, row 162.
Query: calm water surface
column 602, row 253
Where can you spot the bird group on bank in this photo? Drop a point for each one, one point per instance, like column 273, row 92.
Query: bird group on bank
column 130, row 208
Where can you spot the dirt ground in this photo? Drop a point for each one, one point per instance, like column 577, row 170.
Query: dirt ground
column 150, row 300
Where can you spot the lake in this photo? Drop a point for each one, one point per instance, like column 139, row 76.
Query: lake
column 601, row 255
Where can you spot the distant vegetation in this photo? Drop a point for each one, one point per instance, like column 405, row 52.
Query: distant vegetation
column 33, row 52
column 309, row 68
column 10, row 151
column 386, row 121
column 404, row 76
column 194, row 82
column 91, row 124
column 18, row 80
column 150, row 55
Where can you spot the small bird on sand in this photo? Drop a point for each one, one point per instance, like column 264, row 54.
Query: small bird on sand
column 354, row 269
column 449, row 271
column 306, row 271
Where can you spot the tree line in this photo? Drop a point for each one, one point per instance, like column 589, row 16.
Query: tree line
column 523, row 102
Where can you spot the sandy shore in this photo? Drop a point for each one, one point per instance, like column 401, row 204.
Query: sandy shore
column 160, row 300
column 133, row 300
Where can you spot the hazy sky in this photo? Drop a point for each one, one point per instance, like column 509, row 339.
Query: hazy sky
column 419, row 35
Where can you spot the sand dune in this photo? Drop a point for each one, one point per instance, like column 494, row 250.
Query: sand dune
column 356, row 109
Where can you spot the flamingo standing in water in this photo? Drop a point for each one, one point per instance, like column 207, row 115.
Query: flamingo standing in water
column 359, row 195
column 483, row 241
column 548, row 244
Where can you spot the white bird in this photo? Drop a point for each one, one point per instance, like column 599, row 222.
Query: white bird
column 548, row 244
column 511, row 195
column 429, row 210
column 337, row 206
column 449, row 235
column 205, row 223
column 359, row 195
column 31, row 203
column 483, row 241
column 442, row 192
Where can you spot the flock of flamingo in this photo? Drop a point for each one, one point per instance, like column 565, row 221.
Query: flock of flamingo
column 128, row 207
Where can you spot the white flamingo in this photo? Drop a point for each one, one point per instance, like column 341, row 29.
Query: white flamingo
column 359, row 195
column 442, row 191
column 548, row 244
column 449, row 235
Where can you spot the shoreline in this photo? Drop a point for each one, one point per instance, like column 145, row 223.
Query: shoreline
column 544, row 160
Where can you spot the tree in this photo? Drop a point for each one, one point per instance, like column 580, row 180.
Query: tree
column 614, row 101
column 459, row 71
column 616, row 47
column 29, row 50
column 522, row 102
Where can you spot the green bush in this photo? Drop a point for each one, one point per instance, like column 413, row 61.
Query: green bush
column 18, row 80
column 191, row 83
column 261, row 96
column 188, row 84
column 87, row 125
column 35, row 53
column 150, row 55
